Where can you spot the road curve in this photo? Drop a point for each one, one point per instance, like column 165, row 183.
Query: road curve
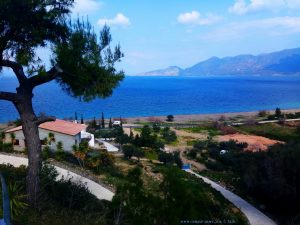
column 96, row 189
column 254, row 216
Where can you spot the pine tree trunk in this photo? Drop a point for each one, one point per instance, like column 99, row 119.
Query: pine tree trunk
column 32, row 143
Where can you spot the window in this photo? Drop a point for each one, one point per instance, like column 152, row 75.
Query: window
column 75, row 142
column 16, row 142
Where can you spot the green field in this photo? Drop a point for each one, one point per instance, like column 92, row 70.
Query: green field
column 271, row 130
column 205, row 129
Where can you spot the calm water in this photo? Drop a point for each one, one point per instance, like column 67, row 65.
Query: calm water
column 146, row 96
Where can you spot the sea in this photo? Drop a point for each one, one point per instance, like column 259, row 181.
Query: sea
column 161, row 96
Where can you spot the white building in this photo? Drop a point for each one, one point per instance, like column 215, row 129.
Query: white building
column 69, row 133
column 116, row 123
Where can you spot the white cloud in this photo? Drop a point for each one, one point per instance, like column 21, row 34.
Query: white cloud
column 118, row 20
column 277, row 26
column 195, row 18
column 84, row 7
column 241, row 7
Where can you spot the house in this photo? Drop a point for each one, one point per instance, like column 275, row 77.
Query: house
column 116, row 123
column 69, row 133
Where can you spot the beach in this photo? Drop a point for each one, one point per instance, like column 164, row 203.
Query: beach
column 204, row 117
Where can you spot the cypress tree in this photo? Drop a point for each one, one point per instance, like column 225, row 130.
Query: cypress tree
column 102, row 121
column 110, row 123
column 81, row 119
column 76, row 118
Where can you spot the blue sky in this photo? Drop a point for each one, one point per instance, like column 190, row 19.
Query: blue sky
column 156, row 34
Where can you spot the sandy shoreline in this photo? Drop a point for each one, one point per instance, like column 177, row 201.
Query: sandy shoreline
column 203, row 117
column 187, row 118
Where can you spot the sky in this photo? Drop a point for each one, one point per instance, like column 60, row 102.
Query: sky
column 155, row 34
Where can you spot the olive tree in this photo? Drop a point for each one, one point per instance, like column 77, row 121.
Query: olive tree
column 81, row 62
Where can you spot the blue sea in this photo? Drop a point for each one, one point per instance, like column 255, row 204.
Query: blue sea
column 159, row 96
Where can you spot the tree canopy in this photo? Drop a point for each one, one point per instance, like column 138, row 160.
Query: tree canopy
column 82, row 62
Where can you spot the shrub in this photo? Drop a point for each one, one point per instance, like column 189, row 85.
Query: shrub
column 262, row 113
column 60, row 153
column 128, row 150
column 17, row 198
column 170, row 118
column 216, row 166
column 168, row 135
column 272, row 117
column 7, row 147
column 166, row 158
column 192, row 153
column 46, row 152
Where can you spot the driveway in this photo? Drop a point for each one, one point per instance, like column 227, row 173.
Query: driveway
column 254, row 216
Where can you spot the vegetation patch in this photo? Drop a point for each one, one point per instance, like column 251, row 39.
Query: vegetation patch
column 272, row 130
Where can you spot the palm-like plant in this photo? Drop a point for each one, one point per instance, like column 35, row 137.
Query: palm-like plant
column 12, row 138
column 51, row 138
column 17, row 198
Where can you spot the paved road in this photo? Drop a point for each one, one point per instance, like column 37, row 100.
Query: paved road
column 96, row 189
column 254, row 216
column 109, row 147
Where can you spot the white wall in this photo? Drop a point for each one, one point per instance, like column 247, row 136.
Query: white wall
column 67, row 140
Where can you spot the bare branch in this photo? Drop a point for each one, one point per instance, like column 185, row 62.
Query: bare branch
column 43, row 119
column 8, row 96
column 16, row 67
column 49, row 76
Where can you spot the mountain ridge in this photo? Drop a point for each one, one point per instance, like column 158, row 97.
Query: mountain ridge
column 284, row 62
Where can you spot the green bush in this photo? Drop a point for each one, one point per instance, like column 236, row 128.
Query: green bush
column 6, row 147
column 46, row 152
column 59, row 153
column 216, row 166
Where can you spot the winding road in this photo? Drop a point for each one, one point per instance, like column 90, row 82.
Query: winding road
column 254, row 216
column 96, row 189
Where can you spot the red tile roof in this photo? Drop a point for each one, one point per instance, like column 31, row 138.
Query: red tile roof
column 60, row 126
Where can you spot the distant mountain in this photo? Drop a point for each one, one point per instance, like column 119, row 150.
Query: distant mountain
column 286, row 62
column 170, row 71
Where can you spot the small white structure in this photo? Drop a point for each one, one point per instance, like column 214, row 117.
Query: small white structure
column 117, row 123
column 222, row 152
column 69, row 133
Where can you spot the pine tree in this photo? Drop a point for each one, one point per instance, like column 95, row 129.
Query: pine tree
column 79, row 56
column 81, row 119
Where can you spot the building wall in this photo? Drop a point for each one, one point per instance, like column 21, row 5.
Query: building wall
column 67, row 140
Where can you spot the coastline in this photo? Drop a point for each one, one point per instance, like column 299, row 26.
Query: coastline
column 185, row 118
column 203, row 117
